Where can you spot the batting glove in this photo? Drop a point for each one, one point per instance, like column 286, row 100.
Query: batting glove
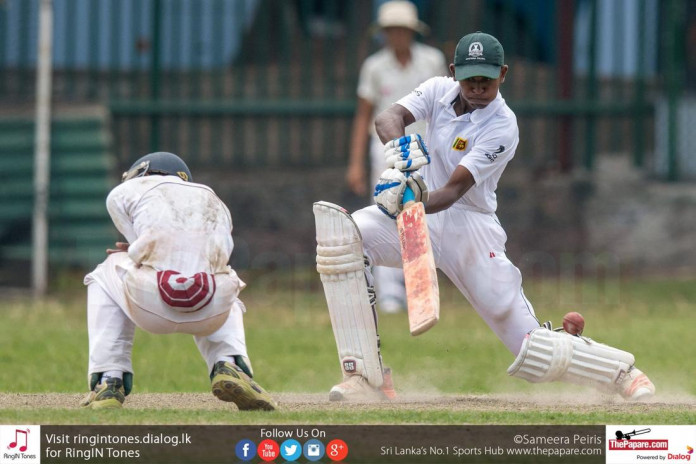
column 407, row 153
column 389, row 191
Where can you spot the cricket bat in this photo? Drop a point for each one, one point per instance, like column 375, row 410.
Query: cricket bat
column 420, row 274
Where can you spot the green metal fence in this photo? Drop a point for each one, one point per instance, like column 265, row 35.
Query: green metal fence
column 272, row 82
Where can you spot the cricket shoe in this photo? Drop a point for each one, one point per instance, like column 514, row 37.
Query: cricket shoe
column 231, row 384
column 356, row 388
column 388, row 384
column 108, row 394
column 636, row 386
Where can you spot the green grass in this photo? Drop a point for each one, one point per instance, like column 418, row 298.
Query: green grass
column 43, row 348
column 437, row 416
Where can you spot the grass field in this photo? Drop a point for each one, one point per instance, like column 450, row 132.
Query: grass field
column 454, row 374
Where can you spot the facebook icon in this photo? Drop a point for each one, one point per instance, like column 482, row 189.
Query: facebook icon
column 245, row 450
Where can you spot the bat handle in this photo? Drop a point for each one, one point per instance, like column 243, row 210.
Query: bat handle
column 408, row 195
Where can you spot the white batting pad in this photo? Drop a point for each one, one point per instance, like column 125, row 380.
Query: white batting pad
column 547, row 356
column 341, row 266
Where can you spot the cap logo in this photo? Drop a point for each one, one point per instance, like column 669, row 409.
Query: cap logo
column 183, row 175
column 475, row 49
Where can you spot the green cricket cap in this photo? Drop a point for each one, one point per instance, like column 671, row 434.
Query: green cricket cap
column 478, row 54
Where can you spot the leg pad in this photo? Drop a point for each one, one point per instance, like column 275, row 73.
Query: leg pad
column 548, row 356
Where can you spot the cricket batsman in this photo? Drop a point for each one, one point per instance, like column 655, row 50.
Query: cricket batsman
column 472, row 134
column 171, row 276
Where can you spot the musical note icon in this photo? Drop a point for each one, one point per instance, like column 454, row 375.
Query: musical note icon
column 14, row 443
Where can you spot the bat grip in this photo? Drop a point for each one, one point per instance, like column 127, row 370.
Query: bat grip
column 408, row 195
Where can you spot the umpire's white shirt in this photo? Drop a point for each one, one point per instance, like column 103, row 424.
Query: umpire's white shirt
column 482, row 141
column 383, row 79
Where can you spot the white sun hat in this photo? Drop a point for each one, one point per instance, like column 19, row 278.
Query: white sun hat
column 400, row 13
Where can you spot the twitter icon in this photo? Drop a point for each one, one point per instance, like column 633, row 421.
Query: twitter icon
column 290, row 450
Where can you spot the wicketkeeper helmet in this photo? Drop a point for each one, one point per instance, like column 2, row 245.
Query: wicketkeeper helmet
column 159, row 163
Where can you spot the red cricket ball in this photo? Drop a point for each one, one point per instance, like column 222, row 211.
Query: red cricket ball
column 573, row 323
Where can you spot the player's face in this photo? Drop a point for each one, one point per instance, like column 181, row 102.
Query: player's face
column 398, row 38
column 479, row 91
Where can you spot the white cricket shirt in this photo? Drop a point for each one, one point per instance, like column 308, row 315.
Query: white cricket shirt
column 172, row 224
column 383, row 79
column 482, row 141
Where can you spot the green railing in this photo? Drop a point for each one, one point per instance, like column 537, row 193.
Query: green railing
column 272, row 82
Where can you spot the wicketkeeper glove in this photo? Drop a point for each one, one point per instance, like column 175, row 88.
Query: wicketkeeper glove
column 407, row 153
column 389, row 191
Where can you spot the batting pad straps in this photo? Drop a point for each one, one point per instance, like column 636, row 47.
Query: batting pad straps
column 341, row 266
column 547, row 356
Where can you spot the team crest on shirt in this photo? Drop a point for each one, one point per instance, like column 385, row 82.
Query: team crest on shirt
column 460, row 144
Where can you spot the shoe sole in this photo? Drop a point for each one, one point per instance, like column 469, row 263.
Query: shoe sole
column 377, row 397
column 336, row 396
column 111, row 403
column 234, row 391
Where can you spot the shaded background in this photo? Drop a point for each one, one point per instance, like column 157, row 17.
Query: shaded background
column 258, row 97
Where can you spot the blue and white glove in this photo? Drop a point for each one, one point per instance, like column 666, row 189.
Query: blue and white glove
column 407, row 153
column 389, row 192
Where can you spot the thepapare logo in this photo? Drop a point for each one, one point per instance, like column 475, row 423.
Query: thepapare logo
column 638, row 445
column 460, row 144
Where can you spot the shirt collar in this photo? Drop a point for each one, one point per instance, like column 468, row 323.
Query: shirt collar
column 395, row 62
column 476, row 116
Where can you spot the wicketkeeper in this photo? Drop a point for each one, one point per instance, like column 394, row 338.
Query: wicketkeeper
column 171, row 276
column 471, row 136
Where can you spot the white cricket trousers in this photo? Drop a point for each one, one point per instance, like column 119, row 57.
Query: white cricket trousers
column 111, row 325
column 389, row 281
column 469, row 247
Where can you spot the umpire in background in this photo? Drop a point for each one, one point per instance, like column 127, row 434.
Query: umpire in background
column 385, row 76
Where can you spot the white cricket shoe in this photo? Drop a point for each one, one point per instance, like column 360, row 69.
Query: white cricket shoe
column 356, row 388
column 636, row 386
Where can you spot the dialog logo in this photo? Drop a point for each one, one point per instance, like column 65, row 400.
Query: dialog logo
column 245, row 450
column 313, row 450
column 291, row 450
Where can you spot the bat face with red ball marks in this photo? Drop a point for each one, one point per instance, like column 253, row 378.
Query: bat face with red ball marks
column 420, row 274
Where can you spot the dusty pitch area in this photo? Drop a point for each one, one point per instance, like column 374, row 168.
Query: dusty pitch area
column 319, row 402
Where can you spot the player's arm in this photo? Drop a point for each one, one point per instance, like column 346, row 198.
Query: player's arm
column 120, row 247
column 355, row 176
column 116, row 205
column 391, row 123
column 458, row 184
